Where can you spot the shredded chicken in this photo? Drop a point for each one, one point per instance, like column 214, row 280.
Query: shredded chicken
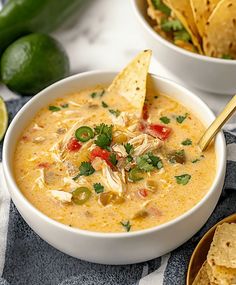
column 39, row 140
column 40, row 181
column 144, row 143
column 113, row 179
column 119, row 149
column 36, row 127
column 61, row 196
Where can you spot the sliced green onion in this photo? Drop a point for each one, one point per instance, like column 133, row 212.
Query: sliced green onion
column 81, row 195
column 135, row 174
column 84, row 134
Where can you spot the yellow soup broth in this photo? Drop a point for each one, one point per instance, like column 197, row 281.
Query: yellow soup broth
column 171, row 175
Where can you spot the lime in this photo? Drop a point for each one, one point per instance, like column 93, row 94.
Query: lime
column 3, row 118
column 32, row 63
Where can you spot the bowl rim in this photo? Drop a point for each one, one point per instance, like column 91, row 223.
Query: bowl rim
column 11, row 183
column 172, row 46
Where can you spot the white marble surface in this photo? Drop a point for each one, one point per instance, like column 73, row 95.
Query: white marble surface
column 106, row 36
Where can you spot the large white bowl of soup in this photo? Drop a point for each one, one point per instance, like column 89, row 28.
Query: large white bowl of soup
column 133, row 198
column 189, row 66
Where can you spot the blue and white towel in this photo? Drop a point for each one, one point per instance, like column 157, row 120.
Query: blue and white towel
column 26, row 259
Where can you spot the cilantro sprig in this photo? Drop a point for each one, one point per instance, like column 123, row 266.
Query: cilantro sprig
column 159, row 5
column 183, row 179
column 85, row 169
column 127, row 226
column 104, row 135
column 148, row 162
column 98, row 188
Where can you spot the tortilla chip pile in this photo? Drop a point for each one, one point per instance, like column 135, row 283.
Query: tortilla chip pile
column 206, row 27
column 220, row 267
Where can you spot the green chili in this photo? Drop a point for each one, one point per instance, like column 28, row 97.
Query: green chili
column 84, row 134
column 81, row 195
column 135, row 174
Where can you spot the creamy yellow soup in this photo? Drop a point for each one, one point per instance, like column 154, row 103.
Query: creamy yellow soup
column 130, row 175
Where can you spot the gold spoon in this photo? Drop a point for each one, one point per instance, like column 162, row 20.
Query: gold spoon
column 216, row 126
column 200, row 253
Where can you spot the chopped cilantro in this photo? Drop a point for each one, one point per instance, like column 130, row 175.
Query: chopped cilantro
column 187, row 142
column 195, row 160
column 148, row 162
column 129, row 158
column 104, row 137
column 165, row 120
column 155, row 160
column 98, row 188
column 115, row 112
column 104, row 105
column 85, row 169
column 171, row 25
column 144, row 163
column 54, row 108
column 65, row 105
column 112, row 159
column 182, row 36
column 227, row 56
column 180, row 119
column 102, row 93
column 93, row 95
column 129, row 148
column 126, row 225
column 159, row 5
column 183, row 179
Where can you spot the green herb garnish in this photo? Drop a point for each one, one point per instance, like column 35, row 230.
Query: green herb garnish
column 104, row 137
column 98, row 188
column 102, row 93
column 93, row 95
column 165, row 120
column 85, row 169
column 159, row 5
column 148, row 162
column 183, row 179
column 177, row 156
column 195, row 160
column 180, row 119
column 112, row 159
column 104, row 105
column 126, row 225
column 54, row 108
column 171, row 25
column 182, row 36
column 187, row 142
column 129, row 148
column 115, row 112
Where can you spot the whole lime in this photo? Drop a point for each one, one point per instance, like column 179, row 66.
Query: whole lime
column 32, row 63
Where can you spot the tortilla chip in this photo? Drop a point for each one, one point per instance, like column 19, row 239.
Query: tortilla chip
column 202, row 10
column 131, row 81
column 220, row 32
column 221, row 275
column 223, row 248
column 202, row 277
column 183, row 11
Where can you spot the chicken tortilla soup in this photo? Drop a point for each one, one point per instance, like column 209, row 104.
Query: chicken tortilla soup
column 122, row 158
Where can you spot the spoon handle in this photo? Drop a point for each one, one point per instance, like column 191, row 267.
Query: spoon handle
column 216, row 126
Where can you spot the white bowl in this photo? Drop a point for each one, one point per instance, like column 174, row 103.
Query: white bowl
column 112, row 248
column 202, row 72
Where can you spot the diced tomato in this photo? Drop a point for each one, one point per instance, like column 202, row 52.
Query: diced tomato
column 143, row 193
column 102, row 153
column 159, row 131
column 142, row 126
column 145, row 112
column 44, row 165
column 73, row 145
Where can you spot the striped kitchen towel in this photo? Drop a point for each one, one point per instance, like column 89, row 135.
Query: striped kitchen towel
column 26, row 259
